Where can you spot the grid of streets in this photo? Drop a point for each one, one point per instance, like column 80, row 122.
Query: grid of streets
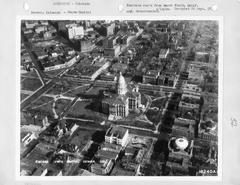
column 119, row 98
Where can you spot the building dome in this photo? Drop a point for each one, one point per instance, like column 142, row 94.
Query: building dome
column 122, row 86
column 181, row 143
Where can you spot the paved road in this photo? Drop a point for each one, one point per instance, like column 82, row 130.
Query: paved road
column 184, row 66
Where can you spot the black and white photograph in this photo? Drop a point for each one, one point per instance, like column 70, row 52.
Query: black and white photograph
column 119, row 97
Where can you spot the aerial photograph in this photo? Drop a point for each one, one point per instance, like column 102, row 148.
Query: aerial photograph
column 119, row 98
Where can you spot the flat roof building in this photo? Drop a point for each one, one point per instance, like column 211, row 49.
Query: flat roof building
column 117, row 135
column 163, row 53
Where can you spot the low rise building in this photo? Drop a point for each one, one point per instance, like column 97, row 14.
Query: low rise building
column 40, row 28
column 28, row 138
column 163, row 53
column 117, row 135
column 113, row 52
column 151, row 77
column 90, row 70
column 103, row 167
column 31, row 24
column 191, row 98
column 167, row 79
column 86, row 45
column 202, row 56
column 119, row 67
column 184, row 107
column 207, row 130
column 184, row 127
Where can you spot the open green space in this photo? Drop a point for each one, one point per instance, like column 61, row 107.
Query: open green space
column 84, row 110
column 137, row 123
column 23, row 96
column 30, row 84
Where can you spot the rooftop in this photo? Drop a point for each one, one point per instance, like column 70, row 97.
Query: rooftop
column 116, row 131
column 107, row 154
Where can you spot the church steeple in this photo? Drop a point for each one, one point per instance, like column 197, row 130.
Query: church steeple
column 121, row 86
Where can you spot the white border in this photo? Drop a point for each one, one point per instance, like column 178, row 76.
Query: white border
column 120, row 178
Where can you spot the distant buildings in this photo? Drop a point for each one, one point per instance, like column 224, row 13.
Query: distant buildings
column 28, row 138
column 119, row 67
column 196, row 75
column 205, row 156
column 114, row 51
column 38, row 31
column 151, row 77
column 154, row 77
column 111, row 47
column 192, row 89
column 207, row 130
column 162, row 27
column 163, row 53
column 31, row 24
column 184, row 127
column 167, row 79
column 202, row 56
column 74, row 31
column 61, row 25
column 114, row 44
column 60, row 66
column 184, row 106
column 105, row 29
column 109, row 28
column 90, row 69
column 86, row 45
column 40, row 28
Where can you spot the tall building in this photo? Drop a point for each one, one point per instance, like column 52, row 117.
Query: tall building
column 126, row 99
column 74, row 31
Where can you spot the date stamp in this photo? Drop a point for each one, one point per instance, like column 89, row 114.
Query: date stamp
column 208, row 171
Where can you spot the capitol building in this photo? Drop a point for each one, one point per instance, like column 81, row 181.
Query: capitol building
column 127, row 98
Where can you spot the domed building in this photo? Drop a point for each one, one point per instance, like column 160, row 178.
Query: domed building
column 180, row 145
column 127, row 98
column 180, row 153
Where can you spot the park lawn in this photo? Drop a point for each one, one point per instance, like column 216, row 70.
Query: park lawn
column 154, row 116
column 81, row 109
column 23, row 96
column 81, row 137
column 43, row 104
column 61, row 104
column 136, row 123
column 31, row 84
